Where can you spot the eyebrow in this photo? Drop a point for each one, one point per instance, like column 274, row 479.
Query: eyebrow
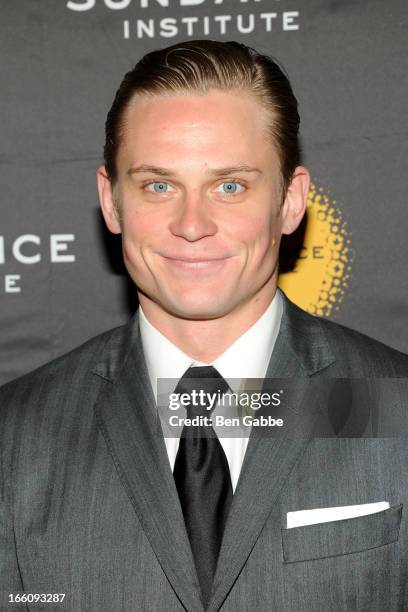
column 144, row 168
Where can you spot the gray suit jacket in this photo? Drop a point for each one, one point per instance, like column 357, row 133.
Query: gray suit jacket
column 88, row 506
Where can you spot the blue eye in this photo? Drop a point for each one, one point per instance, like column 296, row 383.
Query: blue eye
column 160, row 187
column 231, row 187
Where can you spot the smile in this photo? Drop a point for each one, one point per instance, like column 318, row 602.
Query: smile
column 196, row 264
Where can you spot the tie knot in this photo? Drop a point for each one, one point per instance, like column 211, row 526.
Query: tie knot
column 205, row 386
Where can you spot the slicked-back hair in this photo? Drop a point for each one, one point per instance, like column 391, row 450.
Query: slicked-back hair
column 198, row 66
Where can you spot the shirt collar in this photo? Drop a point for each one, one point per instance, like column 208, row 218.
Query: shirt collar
column 247, row 357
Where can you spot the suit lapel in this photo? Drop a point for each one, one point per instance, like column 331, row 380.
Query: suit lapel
column 300, row 351
column 126, row 415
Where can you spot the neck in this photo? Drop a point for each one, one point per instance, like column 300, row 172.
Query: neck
column 206, row 339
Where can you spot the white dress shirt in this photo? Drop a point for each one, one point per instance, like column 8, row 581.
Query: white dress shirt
column 247, row 357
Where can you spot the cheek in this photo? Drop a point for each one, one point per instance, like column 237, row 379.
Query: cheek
column 142, row 232
column 256, row 233
column 140, row 226
column 135, row 235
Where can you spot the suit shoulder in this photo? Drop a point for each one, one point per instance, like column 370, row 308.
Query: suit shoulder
column 363, row 353
column 321, row 344
column 67, row 371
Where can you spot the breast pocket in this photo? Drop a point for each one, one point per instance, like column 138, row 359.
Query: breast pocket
column 341, row 537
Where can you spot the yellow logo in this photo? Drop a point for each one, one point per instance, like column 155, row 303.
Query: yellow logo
column 316, row 261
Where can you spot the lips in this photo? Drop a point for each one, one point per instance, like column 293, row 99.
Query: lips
column 196, row 263
column 195, row 259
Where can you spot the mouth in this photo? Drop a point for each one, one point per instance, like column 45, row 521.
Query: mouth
column 210, row 264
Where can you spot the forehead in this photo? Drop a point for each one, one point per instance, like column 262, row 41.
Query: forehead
column 215, row 124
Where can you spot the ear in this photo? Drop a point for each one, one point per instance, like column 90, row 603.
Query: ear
column 106, row 201
column 294, row 205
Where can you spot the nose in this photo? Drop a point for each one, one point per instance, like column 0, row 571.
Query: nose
column 193, row 219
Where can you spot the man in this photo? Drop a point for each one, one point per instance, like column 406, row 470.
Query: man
column 202, row 178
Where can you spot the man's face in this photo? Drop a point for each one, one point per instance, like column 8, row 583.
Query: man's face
column 200, row 200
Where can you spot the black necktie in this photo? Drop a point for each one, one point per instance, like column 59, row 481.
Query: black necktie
column 202, row 477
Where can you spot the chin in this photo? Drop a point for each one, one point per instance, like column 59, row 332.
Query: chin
column 196, row 309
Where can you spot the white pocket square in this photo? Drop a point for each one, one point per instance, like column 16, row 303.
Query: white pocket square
column 300, row 518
